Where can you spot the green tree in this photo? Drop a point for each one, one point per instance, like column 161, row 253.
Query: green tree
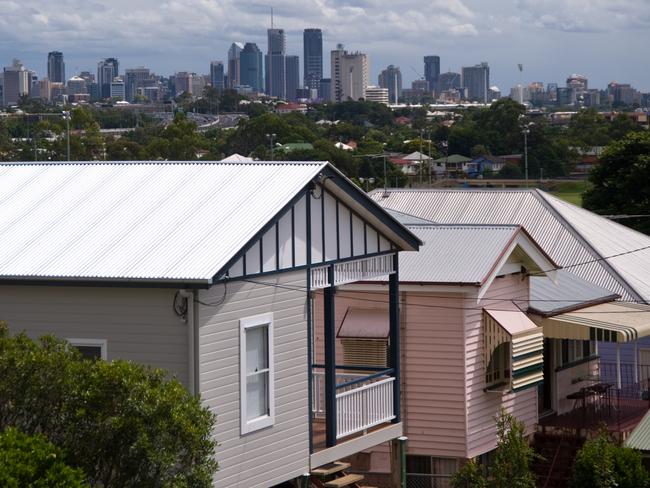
column 513, row 456
column 620, row 181
column 510, row 172
column 602, row 464
column 33, row 461
column 470, row 475
column 123, row 424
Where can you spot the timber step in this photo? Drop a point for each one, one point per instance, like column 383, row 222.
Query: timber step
column 330, row 469
column 347, row 480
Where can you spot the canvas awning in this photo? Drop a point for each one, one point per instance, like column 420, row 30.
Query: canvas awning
column 606, row 322
column 526, row 345
column 365, row 323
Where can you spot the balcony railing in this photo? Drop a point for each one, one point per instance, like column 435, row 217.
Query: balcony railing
column 351, row 271
column 362, row 401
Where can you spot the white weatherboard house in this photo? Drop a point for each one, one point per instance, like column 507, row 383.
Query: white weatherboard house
column 207, row 269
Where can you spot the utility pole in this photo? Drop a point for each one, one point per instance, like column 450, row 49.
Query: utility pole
column 271, row 138
column 66, row 116
column 421, row 169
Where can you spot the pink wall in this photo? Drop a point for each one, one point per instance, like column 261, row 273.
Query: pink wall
column 482, row 407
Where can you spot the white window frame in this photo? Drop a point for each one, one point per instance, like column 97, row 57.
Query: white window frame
column 101, row 343
column 264, row 421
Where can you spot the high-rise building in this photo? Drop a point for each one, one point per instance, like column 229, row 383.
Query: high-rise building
column 447, row 81
column 476, row 79
column 77, row 86
column 325, row 89
column 377, row 94
column 16, row 83
column 107, row 70
column 251, row 67
column 313, row 58
column 198, row 84
column 391, row 78
column 135, row 78
column 55, row 67
column 292, row 76
column 217, row 74
column 349, row 75
column 276, row 64
column 183, row 82
column 117, row 89
column 233, row 64
column 432, row 70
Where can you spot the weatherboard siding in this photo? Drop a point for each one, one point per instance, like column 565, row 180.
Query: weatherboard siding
column 138, row 324
column 278, row 453
column 483, row 407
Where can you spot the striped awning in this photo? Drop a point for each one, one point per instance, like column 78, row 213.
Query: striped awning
column 526, row 345
column 606, row 322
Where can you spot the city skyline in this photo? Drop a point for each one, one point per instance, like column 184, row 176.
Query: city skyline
column 552, row 39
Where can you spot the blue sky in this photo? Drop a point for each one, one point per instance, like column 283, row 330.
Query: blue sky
column 605, row 40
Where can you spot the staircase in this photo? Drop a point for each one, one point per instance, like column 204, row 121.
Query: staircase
column 556, row 455
column 334, row 475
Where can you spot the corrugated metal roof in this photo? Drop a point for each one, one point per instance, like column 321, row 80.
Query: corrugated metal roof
column 137, row 221
column 569, row 234
column 569, row 291
column 455, row 253
column 407, row 219
column 640, row 436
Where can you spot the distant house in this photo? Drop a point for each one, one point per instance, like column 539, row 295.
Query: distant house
column 481, row 164
column 589, row 157
column 343, row 146
column 207, row 269
column 285, row 108
column 410, row 163
column 402, row 120
column 237, row 158
column 454, row 163
column 512, row 159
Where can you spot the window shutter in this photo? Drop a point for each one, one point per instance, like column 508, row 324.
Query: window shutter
column 365, row 352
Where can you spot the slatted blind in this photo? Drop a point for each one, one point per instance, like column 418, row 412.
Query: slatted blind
column 365, row 352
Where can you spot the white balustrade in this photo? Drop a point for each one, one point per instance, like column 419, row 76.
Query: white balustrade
column 366, row 406
column 351, row 271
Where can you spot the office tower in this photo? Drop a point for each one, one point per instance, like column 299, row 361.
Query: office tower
column 447, row 81
column 377, row 94
column 476, row 79
column 312, row 58
column 349, row 75
column 117, row 89
column 217, row 75
column 391, row 78
column 432, row 70
column 292, row 76
column 325, row 89
column 183, row 82
column 276, row 64
column 16, row 83
column 55, row 67
column 135, row 78
column 198, row 84
column 76, row 86
column 107, row 70
column 233, row 64
column 578, row 83
column 251, row 67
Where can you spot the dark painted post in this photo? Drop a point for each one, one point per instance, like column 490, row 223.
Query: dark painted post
column 393, row 311
column 330, row 362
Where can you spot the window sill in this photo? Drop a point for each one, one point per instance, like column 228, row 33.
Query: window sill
column 577, row 363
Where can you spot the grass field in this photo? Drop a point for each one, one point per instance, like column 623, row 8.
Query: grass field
column 569, row 191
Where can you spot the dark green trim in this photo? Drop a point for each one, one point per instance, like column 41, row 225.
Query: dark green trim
column 309, row 314
column 593, row 357
column 528, row 354
column 535, row 368
column 527, row 387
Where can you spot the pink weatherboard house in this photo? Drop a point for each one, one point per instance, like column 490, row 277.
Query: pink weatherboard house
column 467, row 349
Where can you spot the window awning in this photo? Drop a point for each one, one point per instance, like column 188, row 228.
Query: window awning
column 365, row 323
column 526, row 345
column 606, row 322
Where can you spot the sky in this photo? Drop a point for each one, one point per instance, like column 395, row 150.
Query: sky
column 605, row 40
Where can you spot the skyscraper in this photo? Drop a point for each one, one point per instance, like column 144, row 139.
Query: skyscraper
column 133, row 79
column 276, row 64
column 349, row 75
column 233, row 64
column 391, row 78
column 251, row 67
column 55, row 67
column 476, row 79
column 432, row 70
column 292, row 76
column 312, row 58
column 107, row 69
column 217, row 75
column 447, row 81
column 16, row 83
